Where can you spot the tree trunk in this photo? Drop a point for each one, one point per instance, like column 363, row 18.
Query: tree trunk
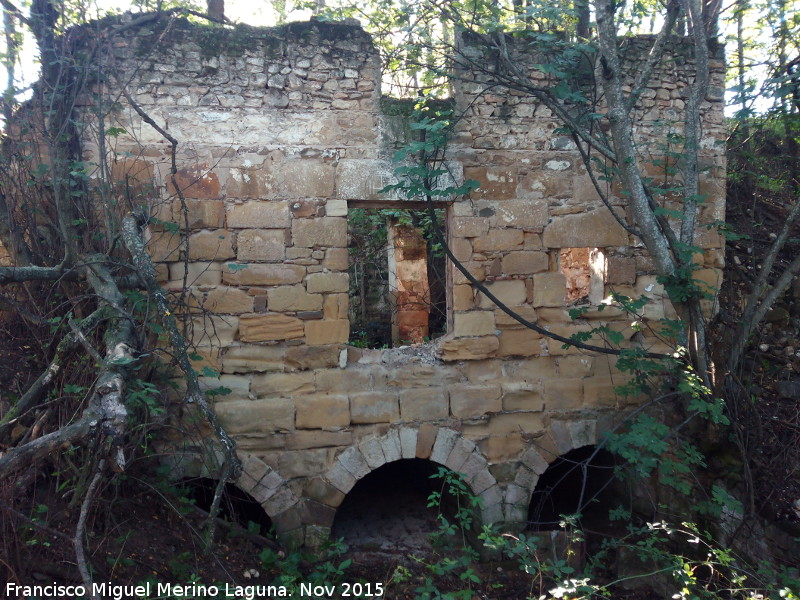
column 216, row 10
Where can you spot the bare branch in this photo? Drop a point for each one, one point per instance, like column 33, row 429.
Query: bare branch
column 587, row 162
column 511, row 313
column 9, row 7
column 11, row 304
column 106, row 415
column 760, row 284
column 80, row 528
column 144, row 265
column 23, row 456
column 81, row 337
column 148, row 119
column 756, row 311
column 34, row 273
column 514, row 79
column 34, row 394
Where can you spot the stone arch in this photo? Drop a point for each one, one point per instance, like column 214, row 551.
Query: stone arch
column 258, row 479
column 270, row 490
column 441, row 445
column 560, row 437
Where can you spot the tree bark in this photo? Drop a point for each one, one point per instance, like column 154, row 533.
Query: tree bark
column 622, row 136
column 133, row 240
column 216, row 10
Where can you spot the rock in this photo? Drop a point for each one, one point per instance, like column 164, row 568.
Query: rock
column 778, row 314
column 789, row 389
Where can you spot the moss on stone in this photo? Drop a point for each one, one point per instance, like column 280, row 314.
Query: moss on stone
column 215, row 41
column 404, row 107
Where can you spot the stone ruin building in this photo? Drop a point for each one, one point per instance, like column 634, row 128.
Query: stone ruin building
column 282, row 134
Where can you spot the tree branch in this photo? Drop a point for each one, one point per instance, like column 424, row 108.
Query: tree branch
column 34, row 394
column 15, row 12
column 624, row 147
column 691, row 128
column 23, row 456
column 35, row 273
column 511, row 313
column 748, row 322
column 755, row 312
column 80, row 528
column 518, row 81
column 144, row 265
column 587, row 162
column 106, row 415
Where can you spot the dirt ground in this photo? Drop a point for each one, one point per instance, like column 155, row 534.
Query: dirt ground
column 137, row 537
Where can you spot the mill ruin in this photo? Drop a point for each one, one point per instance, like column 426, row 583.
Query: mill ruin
column 282, row 135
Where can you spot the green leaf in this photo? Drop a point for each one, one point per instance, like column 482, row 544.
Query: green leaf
column 115, row 131
column 218, row 391
column 578, row 312
column 667, row 212
column 122, row 360
column 167, row 226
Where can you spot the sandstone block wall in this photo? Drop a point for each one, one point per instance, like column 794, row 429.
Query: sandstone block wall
column 281, row 133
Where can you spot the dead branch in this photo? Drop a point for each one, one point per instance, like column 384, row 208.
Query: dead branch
column 34, row 273
column 17, row 458
column 80, row 528
column 655, row 55
column 105, row 418
column 34, row 394
column 132, row 237
column 760, row 301
column 213, row 511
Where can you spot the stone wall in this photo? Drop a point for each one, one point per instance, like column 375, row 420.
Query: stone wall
column 280, row 132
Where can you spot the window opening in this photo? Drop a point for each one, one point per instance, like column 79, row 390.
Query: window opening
column 584, row 269
column 398, row 292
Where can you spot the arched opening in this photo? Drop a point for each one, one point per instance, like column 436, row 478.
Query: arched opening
column 236, row 505
column 581, row 481
column 387, row 510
